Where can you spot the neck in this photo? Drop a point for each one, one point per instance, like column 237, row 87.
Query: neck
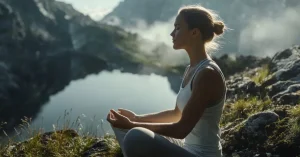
column 197, row 54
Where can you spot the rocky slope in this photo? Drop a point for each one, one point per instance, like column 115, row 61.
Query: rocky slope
column 262, row 116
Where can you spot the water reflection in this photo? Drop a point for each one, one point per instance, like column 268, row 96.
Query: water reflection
column 27, row 82
column 91, row 98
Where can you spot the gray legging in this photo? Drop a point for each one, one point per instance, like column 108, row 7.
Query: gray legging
column 142, row 142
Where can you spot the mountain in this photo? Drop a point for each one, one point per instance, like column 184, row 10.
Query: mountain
column 45, row 44
column 252, row 25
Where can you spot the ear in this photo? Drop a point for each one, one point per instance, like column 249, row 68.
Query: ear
column 196, row 32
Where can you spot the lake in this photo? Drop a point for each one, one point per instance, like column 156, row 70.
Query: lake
column 90, row 99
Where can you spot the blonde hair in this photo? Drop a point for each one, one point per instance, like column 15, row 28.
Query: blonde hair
column 207, row 21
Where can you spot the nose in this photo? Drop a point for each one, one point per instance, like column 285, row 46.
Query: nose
column 172, row 34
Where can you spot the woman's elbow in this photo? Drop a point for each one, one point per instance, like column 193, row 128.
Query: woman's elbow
column 181, row 132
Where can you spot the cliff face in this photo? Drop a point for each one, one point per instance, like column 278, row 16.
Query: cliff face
column 44, row 45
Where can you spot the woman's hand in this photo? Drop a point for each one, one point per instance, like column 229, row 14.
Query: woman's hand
column 119, row 121
column 127, row 113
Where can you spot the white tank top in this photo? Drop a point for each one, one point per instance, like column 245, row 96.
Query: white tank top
column 204, row 139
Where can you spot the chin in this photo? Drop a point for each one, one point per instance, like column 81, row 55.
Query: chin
column 175, row 47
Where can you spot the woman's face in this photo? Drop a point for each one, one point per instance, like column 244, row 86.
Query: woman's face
column 181, row 34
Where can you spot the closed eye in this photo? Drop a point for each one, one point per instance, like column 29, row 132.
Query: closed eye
column 176, row 26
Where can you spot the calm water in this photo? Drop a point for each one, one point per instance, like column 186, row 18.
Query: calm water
column 90, row 100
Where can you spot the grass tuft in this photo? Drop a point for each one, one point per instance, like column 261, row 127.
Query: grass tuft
column 70, row 139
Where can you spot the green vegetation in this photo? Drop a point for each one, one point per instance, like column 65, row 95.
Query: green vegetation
column 59, row 143
column 261, row 74
column 69, row 142
column 295, row 121
column 243, row 108
column 281, row 137
column 287, row 129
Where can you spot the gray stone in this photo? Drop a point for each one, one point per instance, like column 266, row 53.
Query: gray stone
column 289, row 96
column 255, row 125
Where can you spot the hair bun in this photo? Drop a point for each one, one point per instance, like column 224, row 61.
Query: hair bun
column 219, row 27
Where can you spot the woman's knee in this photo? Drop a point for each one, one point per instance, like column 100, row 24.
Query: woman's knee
column 137, row 139
column 136, row 134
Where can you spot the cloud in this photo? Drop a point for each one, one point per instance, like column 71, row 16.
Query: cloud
column 156, row 42
column 96, row 9
column 96, row 13
column 266, row 35
column 159, row 31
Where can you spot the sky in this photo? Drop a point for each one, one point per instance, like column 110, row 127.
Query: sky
column 95, row 8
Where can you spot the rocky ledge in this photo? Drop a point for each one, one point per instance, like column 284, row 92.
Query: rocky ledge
column 262, row 113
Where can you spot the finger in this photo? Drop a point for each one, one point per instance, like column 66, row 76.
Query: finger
column 120, row 110
column 116, row 114
column 123, row 111
column 108, row 117
column 112, row 116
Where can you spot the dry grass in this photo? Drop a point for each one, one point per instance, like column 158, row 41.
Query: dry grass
column 68, row 140
column 243, row 108
column 261, row 74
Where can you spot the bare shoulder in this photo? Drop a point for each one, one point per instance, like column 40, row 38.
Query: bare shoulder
column 208, row 74
column 210, row 81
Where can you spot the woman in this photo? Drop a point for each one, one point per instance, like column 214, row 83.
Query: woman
column 192, row 128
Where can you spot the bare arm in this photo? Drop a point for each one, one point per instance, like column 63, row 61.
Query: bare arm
column 207, row 84
column 167, row 116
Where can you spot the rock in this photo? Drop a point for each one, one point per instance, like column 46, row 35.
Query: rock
column 66, row 133
column 47, row 144
column 248, row 136
column 98, row 147
column 290, row 96
column 235, row 64
column 279, row 87
column 282, row 110
column 241, row 86
column 255, row 125
column 283, row 84
column 12, row 29
column 291, row 56
column 235, row 155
